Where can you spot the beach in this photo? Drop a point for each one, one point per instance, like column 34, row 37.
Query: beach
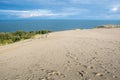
column 79, row 54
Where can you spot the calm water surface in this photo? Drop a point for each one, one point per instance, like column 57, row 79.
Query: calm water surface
column 54, row 25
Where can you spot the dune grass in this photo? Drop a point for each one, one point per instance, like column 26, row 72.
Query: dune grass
column 11, row 37
column 108, row 26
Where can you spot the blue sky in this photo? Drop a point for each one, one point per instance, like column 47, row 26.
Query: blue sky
column 60, row 9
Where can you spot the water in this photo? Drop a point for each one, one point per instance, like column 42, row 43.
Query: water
column 54, row 25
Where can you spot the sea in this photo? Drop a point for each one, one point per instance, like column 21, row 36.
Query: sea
column 53, row 25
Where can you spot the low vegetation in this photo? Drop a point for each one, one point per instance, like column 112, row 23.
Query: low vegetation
column 108, row 26
column 10, row 37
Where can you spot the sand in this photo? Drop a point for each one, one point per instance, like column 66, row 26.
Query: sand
column 89, row 54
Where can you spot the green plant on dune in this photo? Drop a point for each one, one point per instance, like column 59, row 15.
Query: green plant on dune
column 10, row 37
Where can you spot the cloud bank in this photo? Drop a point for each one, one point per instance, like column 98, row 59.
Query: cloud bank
column 36, row 13
column 72, row 9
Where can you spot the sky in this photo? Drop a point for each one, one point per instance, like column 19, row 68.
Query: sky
column 60, row 9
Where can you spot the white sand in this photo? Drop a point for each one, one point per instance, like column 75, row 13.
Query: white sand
column 92, row 54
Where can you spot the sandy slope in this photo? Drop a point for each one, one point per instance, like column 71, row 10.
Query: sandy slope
column 92, row 54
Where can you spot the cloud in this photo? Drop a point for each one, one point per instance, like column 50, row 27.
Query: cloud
column 81, row 1
column 90, row 1
column 33, row 2
column 36, row 13
column 4, row 2
column 115, row 8
column 104, row 17
column 112, row 16
column 59, row 8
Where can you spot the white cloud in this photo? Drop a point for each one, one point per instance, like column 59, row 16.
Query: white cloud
column 36, row 13
column 115, row 8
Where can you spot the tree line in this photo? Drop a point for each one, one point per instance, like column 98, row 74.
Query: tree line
column 10, row 37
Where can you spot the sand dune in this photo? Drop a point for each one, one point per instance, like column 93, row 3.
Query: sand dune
column 92, row 54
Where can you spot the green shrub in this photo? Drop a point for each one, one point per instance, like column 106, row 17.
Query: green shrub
column 7, row 38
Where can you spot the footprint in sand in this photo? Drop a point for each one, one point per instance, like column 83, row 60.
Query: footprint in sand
column 99, row 74
column 85, row 66
column 114, row 76
column 81, row 73
column 51, row 74
column 90, row 67
column 73, row 58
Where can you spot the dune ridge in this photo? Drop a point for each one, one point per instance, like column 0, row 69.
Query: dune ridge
column 88, row 54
